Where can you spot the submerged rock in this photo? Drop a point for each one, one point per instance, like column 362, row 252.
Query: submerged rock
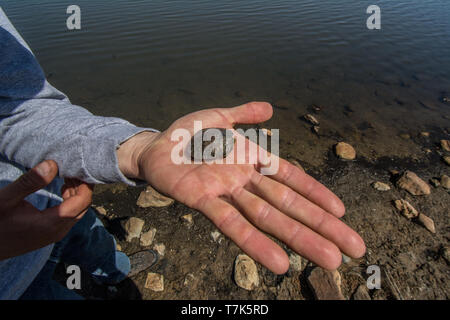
column 345, row 151
column 381, row 186
column 405, row 208
column 427, row 222
column 413, row 184
column 445, row 144
column 152, row 198
column 326, row 285
column 246, row 272
column 133, row 228
column 154, row 282
column 311, row 119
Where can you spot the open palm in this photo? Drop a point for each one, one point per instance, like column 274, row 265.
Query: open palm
column 244, row 204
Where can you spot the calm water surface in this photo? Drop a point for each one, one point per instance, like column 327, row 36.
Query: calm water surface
column 152, row 61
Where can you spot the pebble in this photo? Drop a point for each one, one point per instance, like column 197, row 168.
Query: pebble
column 435, row 182
column 381, row 186
column 267, row 132
column 413, row 184
column 154, row 282
column 101, row 210
column 447, row 160
column 215, row 235
column 160, row 248
column 316, row 129
column 445, row 181
column 346, row 259
column 296, row 262
column 345, row 151
column 425, row 134
column 446, row 253
column 311, row 119
column 406, row 208
column 405, row 136
column 152, row 198
column 133, row 227
column 361, row 293
column 297, row 164
column 188, row 219
column 118, row 247
column 445, row 144
column 246, row 272
column 148, row 237
column 325, row 284
column 427, row 222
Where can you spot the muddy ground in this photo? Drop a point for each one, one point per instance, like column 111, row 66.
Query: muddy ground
column 196, row 267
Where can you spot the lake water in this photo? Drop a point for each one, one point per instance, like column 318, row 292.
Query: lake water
column 153, row 61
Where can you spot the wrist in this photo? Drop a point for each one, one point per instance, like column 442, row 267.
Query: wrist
column 130, row 152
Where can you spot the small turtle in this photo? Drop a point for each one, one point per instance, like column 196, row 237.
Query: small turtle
column 217, row 142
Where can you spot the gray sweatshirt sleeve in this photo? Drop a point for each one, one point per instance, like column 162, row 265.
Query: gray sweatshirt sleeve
column 38, row 122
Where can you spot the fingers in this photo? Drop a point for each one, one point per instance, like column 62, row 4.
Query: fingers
column 246, row 236
column 309, row 188
column 297, row 207
column 77, row 199
column 297, row 236
column 35, row 179
column 252, row 112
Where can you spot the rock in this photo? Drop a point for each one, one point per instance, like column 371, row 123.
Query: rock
column 101, row 210
column 317, row 108
column 445, row 144
column 427, row 222
column 345, row 151
column 215, row 236
column 406, row 208
column 445, row 181
column 154, row 282
column 297, row 164
column 118, row 247
column 425, row 134
column 152, row 198
column 296, row 262
column 188, row 279
column 188, row 219
column 435, row 182
column 246, row 272
column 405, row 136
column 133, row 227
column 148, row 237
column 316, row 129
column 219, row 141
column 447, row 160
column 325, row 284
column 311, row 119
column 160, row 248
column 413, row 184
column 361, row 293
column 267, row 132
column 394, row 172
column 346, row 259
column 381, row 186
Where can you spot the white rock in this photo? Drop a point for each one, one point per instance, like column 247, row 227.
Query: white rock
column 296, row 262
column 215, row 235
column 154, row 282
column 246, row 272
column 133, row 227
column 152, row 198
column 311, row 119
column 381, row 186
column 188, row 219
column 160, row 248
column 148, row 237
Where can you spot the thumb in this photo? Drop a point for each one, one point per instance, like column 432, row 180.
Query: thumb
column 30, row 182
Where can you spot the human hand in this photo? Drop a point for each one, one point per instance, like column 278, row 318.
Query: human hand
column 243, row 203
column 23, row 228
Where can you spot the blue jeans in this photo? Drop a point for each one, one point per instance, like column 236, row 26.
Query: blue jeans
column 91, row 247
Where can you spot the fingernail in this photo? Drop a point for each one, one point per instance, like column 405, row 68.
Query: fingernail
column 43, row 169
